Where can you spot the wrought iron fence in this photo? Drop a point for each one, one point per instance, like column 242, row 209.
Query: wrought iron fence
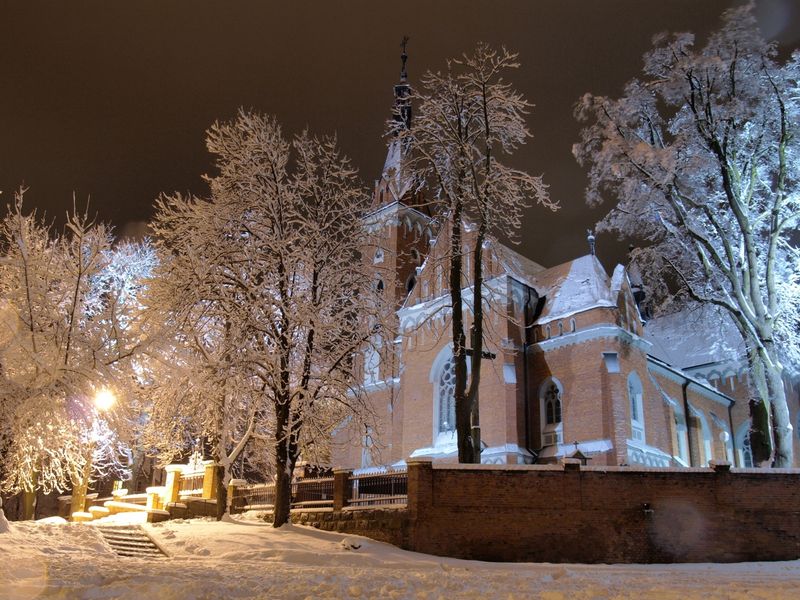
column 253, row 495
column 371, row 489
column 317, row 493
column 191, row 484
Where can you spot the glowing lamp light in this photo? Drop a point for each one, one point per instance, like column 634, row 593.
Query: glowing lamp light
column 104, row 399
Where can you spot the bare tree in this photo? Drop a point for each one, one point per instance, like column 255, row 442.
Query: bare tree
column 277, row 261
column 70, row 328
column 469, row 119
column 702, row 156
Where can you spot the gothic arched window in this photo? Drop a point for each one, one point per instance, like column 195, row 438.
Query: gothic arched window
column 636, row 400
column 446, row 400
column 551, row 406
column 412, row 281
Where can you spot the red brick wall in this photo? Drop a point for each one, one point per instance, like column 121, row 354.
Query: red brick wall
column 591, row 514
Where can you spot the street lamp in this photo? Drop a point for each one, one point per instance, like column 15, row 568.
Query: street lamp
column 103, row 400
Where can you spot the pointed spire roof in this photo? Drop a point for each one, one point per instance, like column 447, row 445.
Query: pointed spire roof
column 402, row 92
column 573, row 287
column 395, row 182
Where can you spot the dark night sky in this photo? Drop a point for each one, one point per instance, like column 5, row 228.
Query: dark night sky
column 110, row 100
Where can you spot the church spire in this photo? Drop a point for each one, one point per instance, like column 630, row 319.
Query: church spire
column 404, row 58
column 402, row 92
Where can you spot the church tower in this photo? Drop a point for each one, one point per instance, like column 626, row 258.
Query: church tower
column 400, row 221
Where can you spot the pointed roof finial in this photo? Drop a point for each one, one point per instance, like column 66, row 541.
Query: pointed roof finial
column 404, row 58
column 590, row 238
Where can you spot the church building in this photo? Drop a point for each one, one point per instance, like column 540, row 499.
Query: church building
column 574, row 368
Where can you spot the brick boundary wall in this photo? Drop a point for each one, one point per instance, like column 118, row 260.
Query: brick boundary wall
column 570, row 513
column 389, row 525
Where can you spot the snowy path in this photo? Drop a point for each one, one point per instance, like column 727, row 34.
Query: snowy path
column 249, row 560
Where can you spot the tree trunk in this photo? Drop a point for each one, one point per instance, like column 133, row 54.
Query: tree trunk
column 283, row 498
column 476, row 337
column 29, row 498
column 81, row 488
column 459, row 343
column 286, row 452
column 221, row 493
column 782, row 429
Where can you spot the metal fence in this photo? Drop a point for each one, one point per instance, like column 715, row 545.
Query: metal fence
column 191, row 484
column 306, row 493
column 317, row 493
column 253, row 495
column 372, row 489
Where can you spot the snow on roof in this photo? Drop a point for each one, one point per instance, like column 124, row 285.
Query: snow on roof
column 394, row 170
column 573, row 287
column 693, row 337
column 514, row 263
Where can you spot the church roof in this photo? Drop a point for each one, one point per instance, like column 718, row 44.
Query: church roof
column 691, row 338
column 573, row 287
column 395, row 172
column 515, row 264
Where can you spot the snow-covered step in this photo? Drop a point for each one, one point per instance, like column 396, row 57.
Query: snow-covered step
column 130, row 541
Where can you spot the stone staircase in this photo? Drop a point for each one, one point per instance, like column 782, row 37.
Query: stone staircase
column 130, row 540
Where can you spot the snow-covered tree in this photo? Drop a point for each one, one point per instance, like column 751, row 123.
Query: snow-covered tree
column 281, row 298
column 70, row 327
column 469, row 122
column 701, row 156
column 199, row 385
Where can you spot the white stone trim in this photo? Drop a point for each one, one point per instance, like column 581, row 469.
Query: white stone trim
column 661, row 368
column 588, row 447
column 644, row 454
column 592, row 333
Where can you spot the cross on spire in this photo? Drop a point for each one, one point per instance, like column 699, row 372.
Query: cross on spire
column 404, row 58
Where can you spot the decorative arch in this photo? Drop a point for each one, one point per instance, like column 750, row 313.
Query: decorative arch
column 572, row 326
column 744, row 452
column 636, row 406
column 551, row 409
column 442, row 376
column 410, row 283
column 682, row 436
column 705, row 432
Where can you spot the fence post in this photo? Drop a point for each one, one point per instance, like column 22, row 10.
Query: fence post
column 173, row 484
column 210, row 477
column 232, row 485
column 341, row 488
column 420, row 486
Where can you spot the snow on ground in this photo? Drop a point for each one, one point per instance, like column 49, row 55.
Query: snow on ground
column 248, row 559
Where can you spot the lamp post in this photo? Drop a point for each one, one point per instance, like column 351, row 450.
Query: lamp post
column 103, row 400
